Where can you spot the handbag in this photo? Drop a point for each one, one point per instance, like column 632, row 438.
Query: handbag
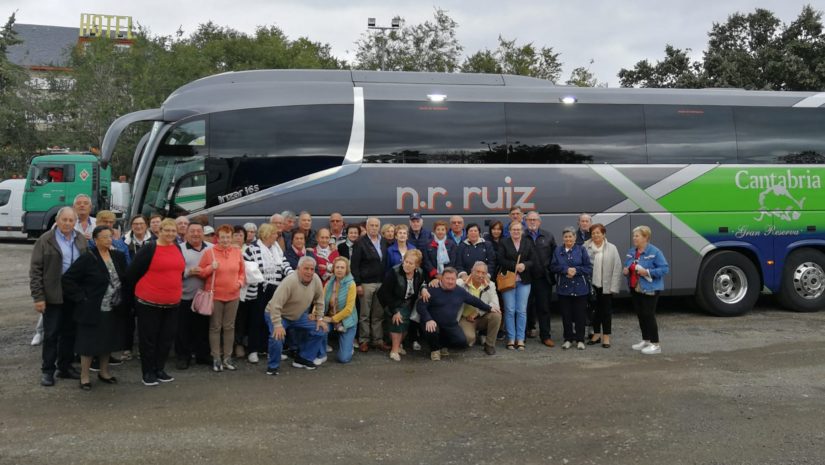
column 204, row 300
column 506, row 281
column 253, row 273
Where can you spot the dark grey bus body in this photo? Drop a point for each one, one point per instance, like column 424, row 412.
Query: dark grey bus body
column 387, row 144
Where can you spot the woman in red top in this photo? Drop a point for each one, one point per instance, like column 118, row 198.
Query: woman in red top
column 157, row 276
column 226, row 263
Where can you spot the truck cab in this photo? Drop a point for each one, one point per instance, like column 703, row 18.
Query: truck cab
column 55, row 180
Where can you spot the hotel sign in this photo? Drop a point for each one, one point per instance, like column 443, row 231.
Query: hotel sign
column 112, row 26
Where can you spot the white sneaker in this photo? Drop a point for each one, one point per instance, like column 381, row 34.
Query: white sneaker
column 283, row 356
column 652, row 349
column 566, row 345
column 435, row 355
column 329, row 348
column 395, row 356
column 37, row 339
column 640, row 345
column 416, row 345
column 402, row 351
column 580, row 346
column 320, row 361
column 253, row 357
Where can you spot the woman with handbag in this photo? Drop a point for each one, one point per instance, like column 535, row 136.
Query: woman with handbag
column 339, row 308
column 515, row 260
column 645, row 267
column 156, row 274
column 269, row 258
column 607, row 277
column 93, row 284
column 223, row 263
column 573, row 270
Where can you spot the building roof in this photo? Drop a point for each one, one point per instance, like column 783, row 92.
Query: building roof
column 42, row 45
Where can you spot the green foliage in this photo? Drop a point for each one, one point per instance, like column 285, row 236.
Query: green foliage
column 674, row 71
column 583, row 77
column 511, row 58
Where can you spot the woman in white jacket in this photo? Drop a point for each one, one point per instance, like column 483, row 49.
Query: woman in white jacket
column 607, row 276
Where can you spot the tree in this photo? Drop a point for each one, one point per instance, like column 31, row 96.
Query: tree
column 675, row 71
column 511, row 58
column 430, row 46
column 583, row 77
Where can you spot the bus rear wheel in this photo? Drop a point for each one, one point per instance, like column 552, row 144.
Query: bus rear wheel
column 728, row 284
column 803, row 281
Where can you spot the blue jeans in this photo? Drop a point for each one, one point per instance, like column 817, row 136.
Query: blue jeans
column 515, row 311
column 346, row 340
column 308, row 340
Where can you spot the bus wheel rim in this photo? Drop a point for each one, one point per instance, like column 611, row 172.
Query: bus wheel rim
column 809, row 280
column 730, row 284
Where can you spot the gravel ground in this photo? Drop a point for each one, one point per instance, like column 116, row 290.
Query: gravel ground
column 745, row 390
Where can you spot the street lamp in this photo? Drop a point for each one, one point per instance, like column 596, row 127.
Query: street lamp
column 394, row 24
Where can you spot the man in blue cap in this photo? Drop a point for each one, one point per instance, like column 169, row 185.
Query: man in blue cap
column 420, row 237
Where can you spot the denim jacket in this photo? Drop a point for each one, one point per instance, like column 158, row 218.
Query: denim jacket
column 578, row 285
column 653, row 260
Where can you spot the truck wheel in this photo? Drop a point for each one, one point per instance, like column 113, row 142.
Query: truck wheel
column 728, row 284
column 803, row 281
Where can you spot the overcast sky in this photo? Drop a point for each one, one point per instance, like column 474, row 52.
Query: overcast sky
column 614, row 34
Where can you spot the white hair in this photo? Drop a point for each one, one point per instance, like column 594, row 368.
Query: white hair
column 80, row 196
column 67, row 209
column 306, row 259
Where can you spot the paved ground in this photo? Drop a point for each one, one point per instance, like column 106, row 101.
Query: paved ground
column 743, row 390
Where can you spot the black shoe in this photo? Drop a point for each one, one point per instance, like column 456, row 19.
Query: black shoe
column 115, row 361
column 163, row 377
column 182, row 364
column 591, row 342
column 69, row 373
column 293, row 354
column 95, row 365
column 300, row 362
column 149, row 379
column 109, row 380
column 272, row 371
column 86, row 386
column 47, row 379
column 489, row 350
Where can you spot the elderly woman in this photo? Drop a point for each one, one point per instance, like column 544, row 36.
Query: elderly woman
column 339, row 308
column 345, row 248
column 516, row 255
column 607, row 277
column 440, row 253
column 93, row 284
column 297, row 249
column 274, row 267
column 572, row 268
column 388, row 234
column 157, row 276
column 645, row 267
column 325, row 253
column 398, row 294
column 251, row 232
column 395, row 252
column 474, row 249
column 223, row 272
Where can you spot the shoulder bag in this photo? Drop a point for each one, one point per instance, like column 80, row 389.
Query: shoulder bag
column 506, row 281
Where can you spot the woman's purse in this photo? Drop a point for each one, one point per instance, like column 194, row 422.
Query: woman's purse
column 204, row 300
column 253, row 273
column 506, row 281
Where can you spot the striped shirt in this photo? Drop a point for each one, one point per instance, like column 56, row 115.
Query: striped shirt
column 272, row 275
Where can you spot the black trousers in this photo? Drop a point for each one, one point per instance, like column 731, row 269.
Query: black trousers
column 445, row 336
column 156, row 333
column 645, row 306
column 192, row 335
column 538, row 306
column 58, row 337
column 256, row 327
column 573, row 316
column 602, row 312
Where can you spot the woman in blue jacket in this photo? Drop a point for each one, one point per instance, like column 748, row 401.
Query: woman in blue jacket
column 573, row 270
column 645, row 267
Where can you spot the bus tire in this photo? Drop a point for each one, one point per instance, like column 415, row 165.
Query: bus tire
column 728, row 284
column 802, row 288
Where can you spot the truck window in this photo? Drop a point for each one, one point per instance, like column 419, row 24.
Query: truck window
column 44, row 174
column 5, row 195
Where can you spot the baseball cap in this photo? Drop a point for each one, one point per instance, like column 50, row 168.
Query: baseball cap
column 415, row 216
column 207, row 230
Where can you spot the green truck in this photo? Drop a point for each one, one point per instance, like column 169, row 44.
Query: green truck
column 55, row 180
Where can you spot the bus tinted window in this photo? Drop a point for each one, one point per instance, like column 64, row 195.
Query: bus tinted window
column 689, row 134
column 581, row 133
column 424, row 132
column 780, row 135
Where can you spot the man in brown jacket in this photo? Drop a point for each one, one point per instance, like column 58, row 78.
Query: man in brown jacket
column 53, row 253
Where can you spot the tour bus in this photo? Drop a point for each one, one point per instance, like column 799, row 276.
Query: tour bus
column 730, row 181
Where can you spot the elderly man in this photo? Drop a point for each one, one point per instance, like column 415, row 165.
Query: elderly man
column 52, row 255
column 456, row 232
column 277, row 220
column 298, row 307
column 289, row 225
column 181, row 223
column 82, row 207
column 516, row 215
column 368, row 258
column 538, row 304
column 473, row 319
column 305, row 226
column 420, row 237
column 583, row 233
column 338, row 233
column 440, row 314
column 192, row 336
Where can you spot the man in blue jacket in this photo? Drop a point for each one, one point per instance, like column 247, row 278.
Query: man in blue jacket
column 420, row 237
column 439, row 314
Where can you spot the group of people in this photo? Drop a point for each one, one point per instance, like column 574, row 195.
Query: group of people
column 284, row 290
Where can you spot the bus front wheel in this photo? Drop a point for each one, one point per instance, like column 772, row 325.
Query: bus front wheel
column 803, row 281
column 728, row 284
